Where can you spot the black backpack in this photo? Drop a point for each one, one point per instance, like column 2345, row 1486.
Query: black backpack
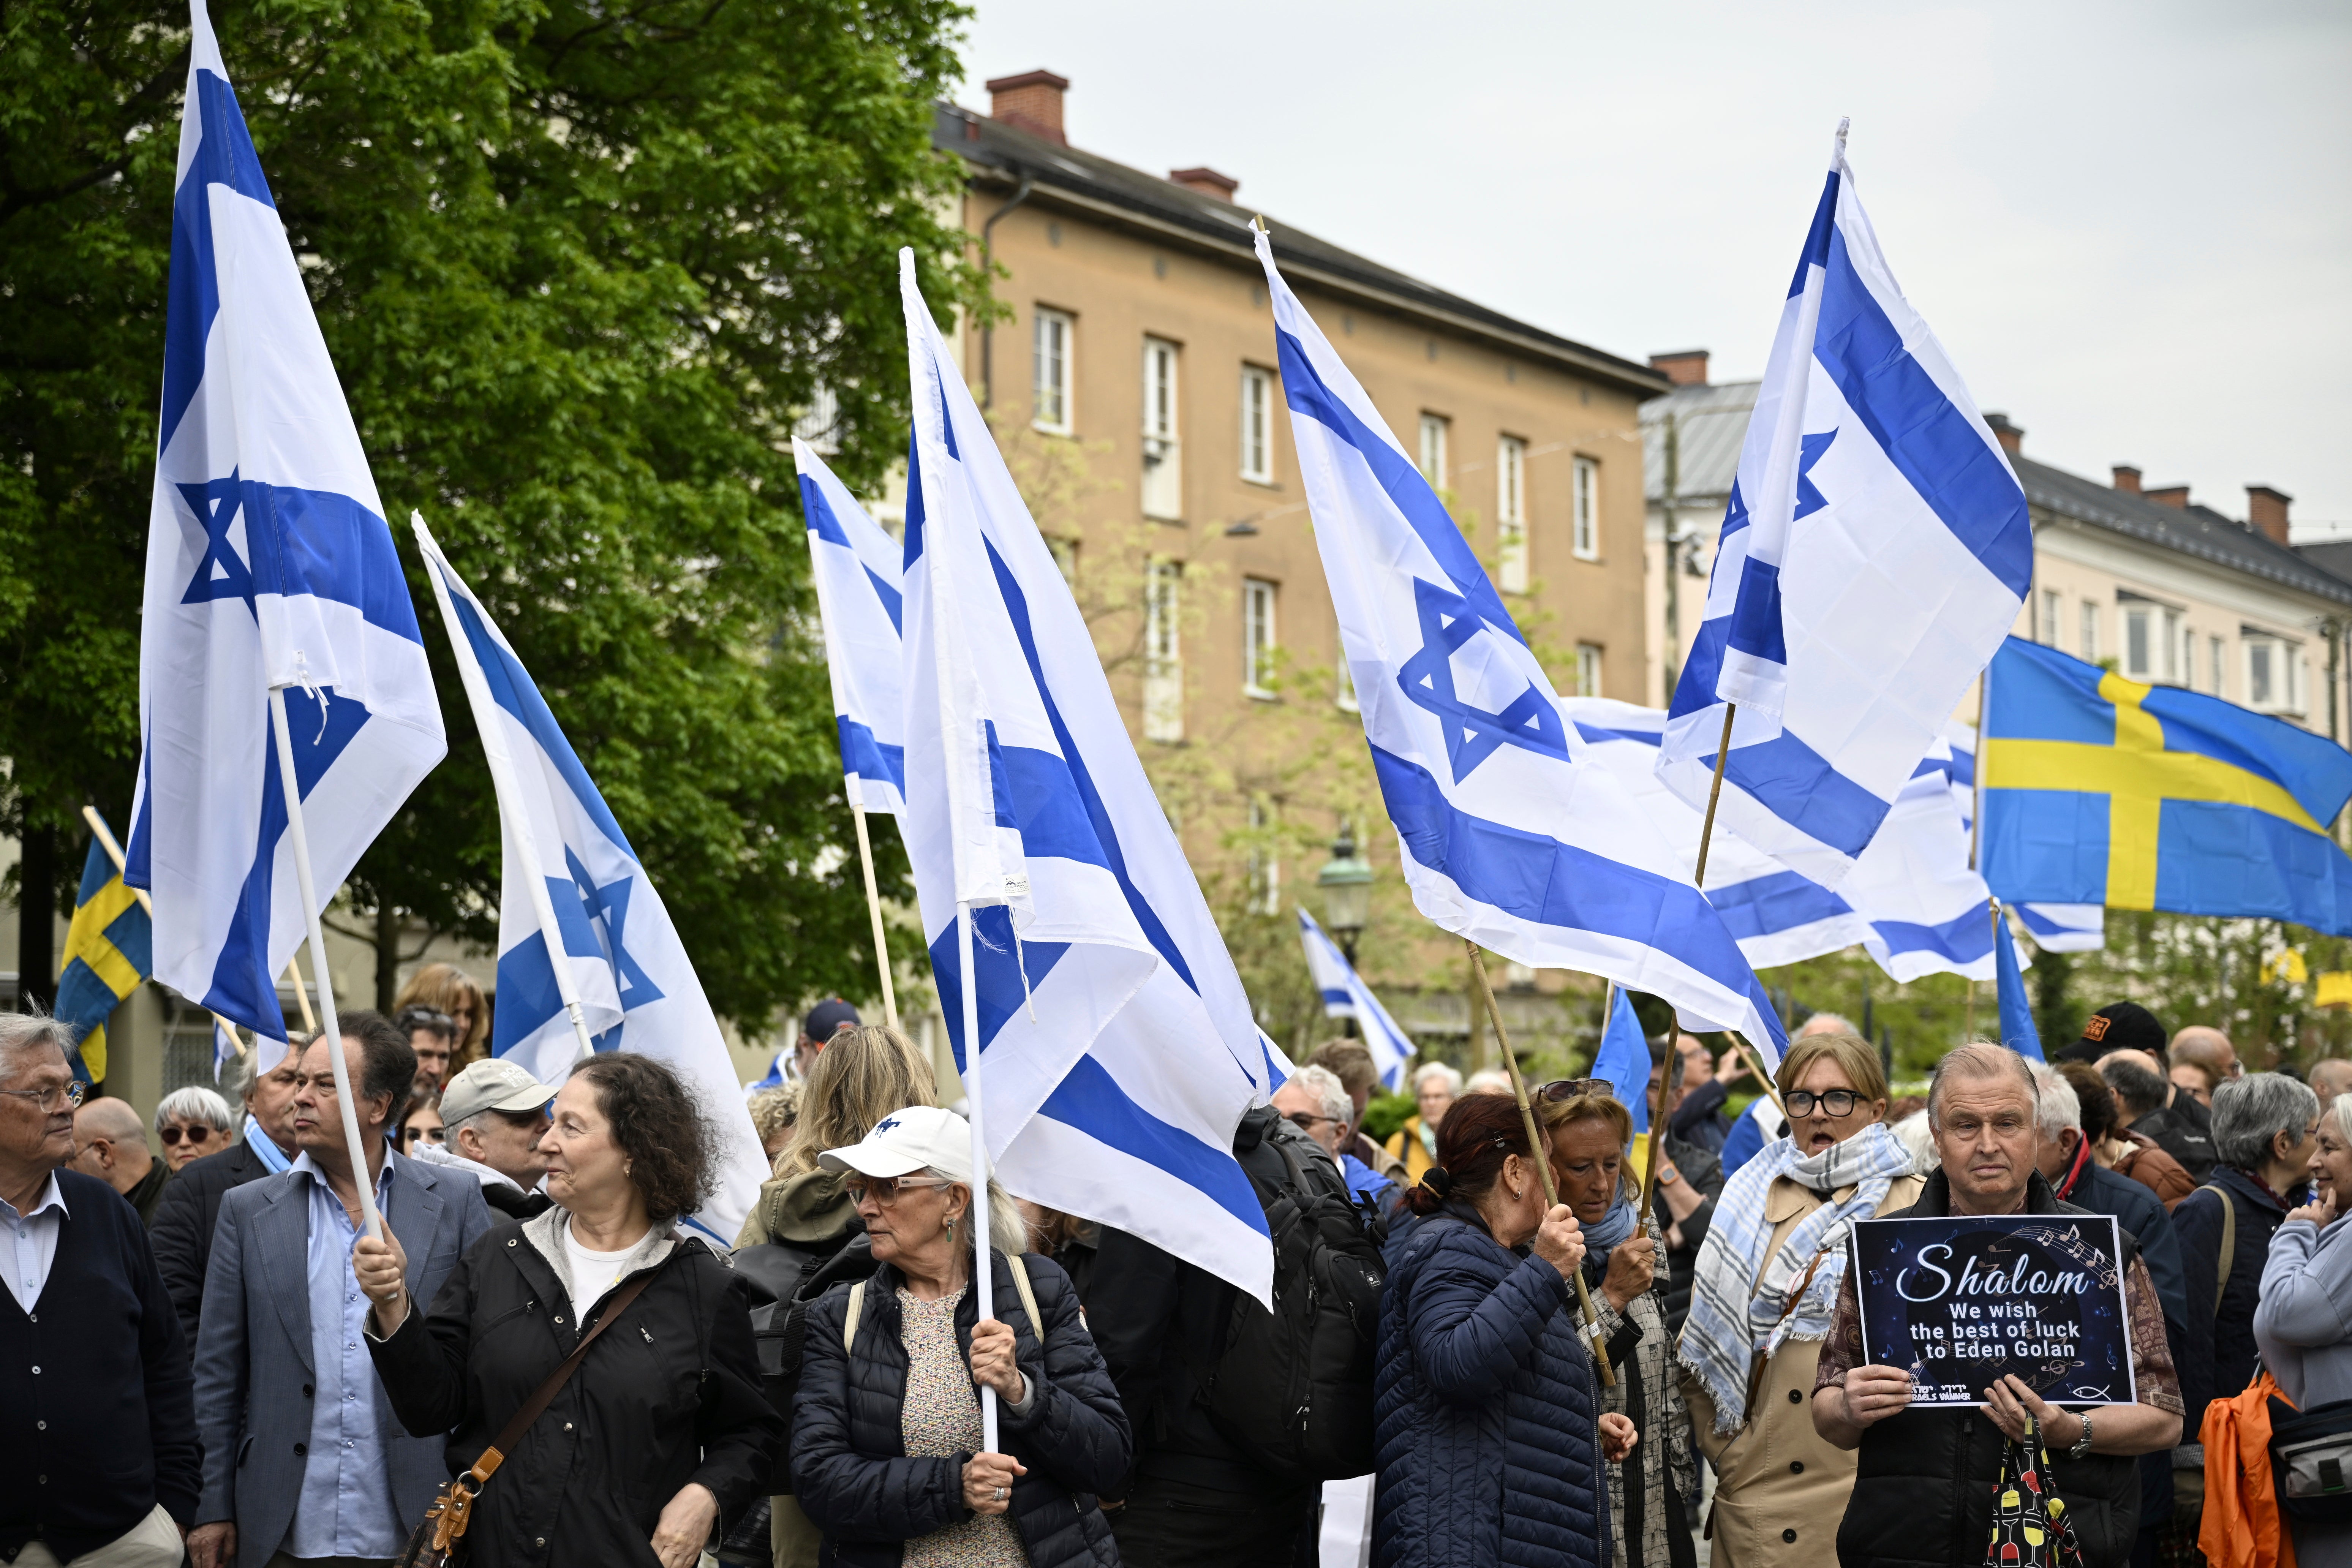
column 1293, row 1389
column 785, row 1279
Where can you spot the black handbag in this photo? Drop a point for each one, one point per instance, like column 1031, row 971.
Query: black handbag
column 440, row 1539
column 2310, row 1460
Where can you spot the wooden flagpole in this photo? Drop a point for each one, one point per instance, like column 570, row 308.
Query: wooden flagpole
column 873, row 910
column 105, row 841
column 1539, row 1155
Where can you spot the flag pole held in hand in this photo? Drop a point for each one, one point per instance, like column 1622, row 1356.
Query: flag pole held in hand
column 1536, row 1153
column 982, row 1265
column 298, row 836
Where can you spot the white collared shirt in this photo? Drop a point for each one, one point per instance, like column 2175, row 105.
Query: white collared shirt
column 28, row 1243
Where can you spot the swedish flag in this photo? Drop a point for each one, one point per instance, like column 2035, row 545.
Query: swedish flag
column 2101, row 790
column 108, row 952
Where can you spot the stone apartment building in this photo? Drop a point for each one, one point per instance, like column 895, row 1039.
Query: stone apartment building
column 1140, row 349
column 2172, row 592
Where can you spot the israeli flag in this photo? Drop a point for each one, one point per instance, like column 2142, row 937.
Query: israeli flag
column 1911, row 901
column 2059, row 928
column 1120, row 1049
column 571, row 887
column 1505, row 836
column 1345, row 996
column 1874, row 554
column 857, row 572
column 268, row 564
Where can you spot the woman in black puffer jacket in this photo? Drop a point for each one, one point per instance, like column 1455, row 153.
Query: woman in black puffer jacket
column 886, row 1454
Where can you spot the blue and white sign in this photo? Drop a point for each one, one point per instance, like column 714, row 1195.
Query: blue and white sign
column 1874, row 552
column 1120, row 1050
column 1505, row 836
column 575, row 894
column 857, row 570
column 1345, row 996
column 268, row 564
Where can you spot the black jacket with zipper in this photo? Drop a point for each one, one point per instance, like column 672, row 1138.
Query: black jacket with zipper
column 850, row 1468
column 669, row 1394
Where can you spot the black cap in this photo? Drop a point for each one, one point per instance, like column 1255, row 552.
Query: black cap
column 828, row 1018
column 2118, row 1027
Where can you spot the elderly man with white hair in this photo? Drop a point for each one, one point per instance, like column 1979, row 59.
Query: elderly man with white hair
column 1927, row 1478
column 1317, row 1103
column 1436, row 1087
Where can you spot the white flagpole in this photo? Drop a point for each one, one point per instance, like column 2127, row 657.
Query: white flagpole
column 332, row 1033
column 983, row 1292
column 874, row 909
column 502, row 780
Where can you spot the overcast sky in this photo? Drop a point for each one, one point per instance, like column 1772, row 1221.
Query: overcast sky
column 2131, row 224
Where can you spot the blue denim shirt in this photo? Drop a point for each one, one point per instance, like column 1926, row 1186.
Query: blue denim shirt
column 345, row 1509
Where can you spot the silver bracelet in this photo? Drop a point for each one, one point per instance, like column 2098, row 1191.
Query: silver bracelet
column 2081, row 1445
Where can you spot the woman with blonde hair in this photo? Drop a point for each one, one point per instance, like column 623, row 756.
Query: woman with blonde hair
column 1765, row 1288
column 1653, row 1495
column 805, row 1233
column 446, row 988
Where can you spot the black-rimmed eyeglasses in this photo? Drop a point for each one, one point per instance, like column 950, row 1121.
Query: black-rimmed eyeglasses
column 1833, row 1103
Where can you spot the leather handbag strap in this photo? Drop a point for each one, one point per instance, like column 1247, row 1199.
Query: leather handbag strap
column 536, row 1405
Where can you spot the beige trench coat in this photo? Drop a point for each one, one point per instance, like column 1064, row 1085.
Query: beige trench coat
column 1779, row 1491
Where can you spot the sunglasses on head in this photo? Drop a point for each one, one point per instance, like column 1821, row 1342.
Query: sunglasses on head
column 887, row 1189
column 1572, row 1087
column 197, row 1134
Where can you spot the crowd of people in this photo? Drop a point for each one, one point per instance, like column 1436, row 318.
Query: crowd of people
column 225, row 1367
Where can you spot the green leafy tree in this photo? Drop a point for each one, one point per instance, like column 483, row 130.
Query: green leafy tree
column 581, row 267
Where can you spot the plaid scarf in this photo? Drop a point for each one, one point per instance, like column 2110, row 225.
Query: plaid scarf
column 1795, row 1291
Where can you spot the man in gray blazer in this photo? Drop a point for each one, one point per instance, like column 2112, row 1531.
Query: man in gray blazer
column 304, row 1461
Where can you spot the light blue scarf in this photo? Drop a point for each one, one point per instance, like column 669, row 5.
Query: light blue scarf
column 267, row 1153
column 1608, row 1233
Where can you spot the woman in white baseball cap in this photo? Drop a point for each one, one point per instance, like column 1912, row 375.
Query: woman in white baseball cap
column 886, row 1449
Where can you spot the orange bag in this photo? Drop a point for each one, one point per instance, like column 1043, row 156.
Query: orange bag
column 2241, row 1527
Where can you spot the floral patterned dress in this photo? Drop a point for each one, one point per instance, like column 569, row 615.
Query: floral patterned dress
column 941, row 1418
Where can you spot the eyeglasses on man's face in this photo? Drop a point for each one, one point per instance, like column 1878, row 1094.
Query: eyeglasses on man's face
column 198, row 1134
column 1307, row 1120
column 887, row 1190
column 1833, row 1102
column 46, row 1100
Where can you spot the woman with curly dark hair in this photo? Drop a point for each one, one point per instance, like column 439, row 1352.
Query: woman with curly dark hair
column 663, row 1430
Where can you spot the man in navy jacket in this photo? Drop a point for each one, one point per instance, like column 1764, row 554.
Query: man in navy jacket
column 98, row 1428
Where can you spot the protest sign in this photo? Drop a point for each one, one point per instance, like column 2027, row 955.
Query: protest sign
column 1963, row 1301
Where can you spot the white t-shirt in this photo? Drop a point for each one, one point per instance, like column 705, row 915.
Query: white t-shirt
column 593, row 1274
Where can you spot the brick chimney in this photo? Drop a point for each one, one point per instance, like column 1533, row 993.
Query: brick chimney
column 2011, row 437
column 2128, row 479
column 1687, row 367
column 2266, row 512
column 2174, row 496
column 1208, row 181
column 1032, row 100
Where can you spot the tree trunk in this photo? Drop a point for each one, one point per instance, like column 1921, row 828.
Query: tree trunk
column 387, row 957
column 37, row 916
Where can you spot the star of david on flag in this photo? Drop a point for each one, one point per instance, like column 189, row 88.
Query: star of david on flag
column 269, row 564
column 1874, row 551
column 1505, row 835
column 580, row 923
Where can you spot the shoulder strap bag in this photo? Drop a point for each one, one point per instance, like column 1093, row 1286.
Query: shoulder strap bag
column 439, row 1539
column 1020, row 1282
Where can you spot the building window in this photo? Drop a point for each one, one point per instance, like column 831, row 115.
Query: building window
column 1265, row 864
column 1585, row 517
column 1050, row 371
column 2090, row 632
column 1163, row 664
column 819, row 424
column 2273, row 673
column 1434, row 428
column 1257, row 424
column 1588, row 669
column 2171, row 647
column 1257, row 638
column 2217, row 665
column 2049, row 617
column 2135, row 641
column 1511, row 510
column 1163, row 467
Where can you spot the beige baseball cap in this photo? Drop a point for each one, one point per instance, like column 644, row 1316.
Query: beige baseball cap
column 495, row 1084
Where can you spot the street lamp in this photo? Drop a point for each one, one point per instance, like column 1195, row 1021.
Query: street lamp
column 1347, row 883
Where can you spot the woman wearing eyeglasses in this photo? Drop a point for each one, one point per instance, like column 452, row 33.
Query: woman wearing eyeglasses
column 1766, row 1287
column 888, row 1458
column 192, row 1123
column 1653, row 1495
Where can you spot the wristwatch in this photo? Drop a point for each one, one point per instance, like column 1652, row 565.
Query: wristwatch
column 1669, row 1176
column 2082, row 1444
